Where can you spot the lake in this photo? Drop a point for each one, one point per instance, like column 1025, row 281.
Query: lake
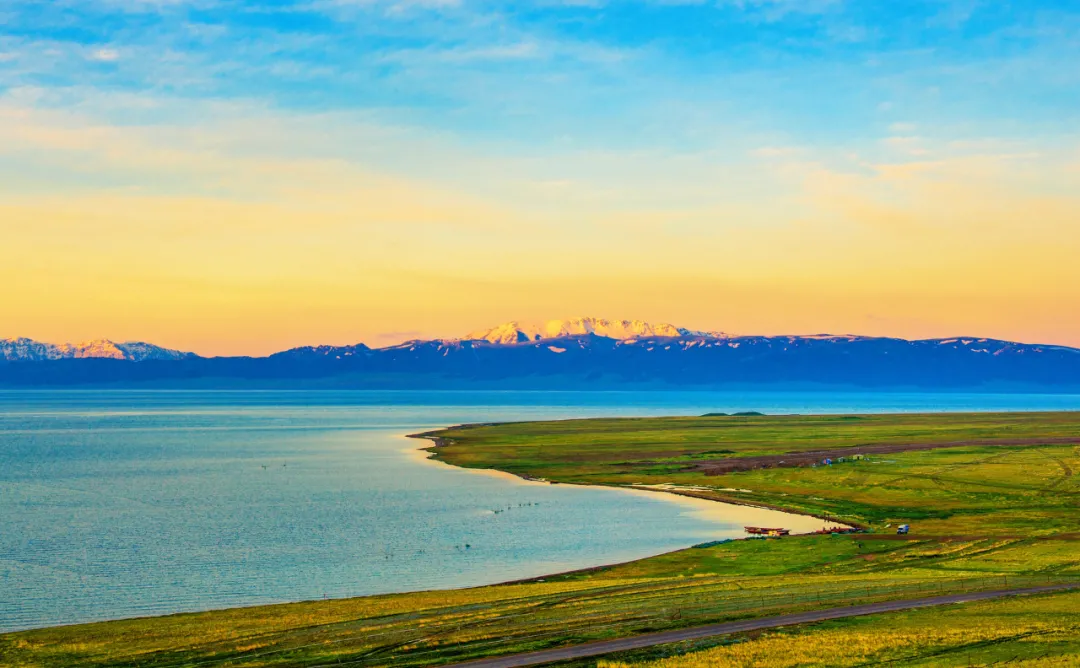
column 128, row 503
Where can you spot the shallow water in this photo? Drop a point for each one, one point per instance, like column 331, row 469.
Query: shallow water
column 119, row 504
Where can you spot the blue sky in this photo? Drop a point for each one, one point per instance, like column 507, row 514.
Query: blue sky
column 590, row 74
column 908, row 168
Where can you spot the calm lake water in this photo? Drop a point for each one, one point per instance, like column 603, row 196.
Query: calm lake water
column 128, row 503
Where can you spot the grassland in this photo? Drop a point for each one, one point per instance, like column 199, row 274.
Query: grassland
column 978, row 482
column 986, row 515
column 1041, row 631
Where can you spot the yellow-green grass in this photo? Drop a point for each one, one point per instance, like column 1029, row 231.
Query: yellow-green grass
column 1041, row 631
column 983, row 518
column 980, row 489
column 733, row 580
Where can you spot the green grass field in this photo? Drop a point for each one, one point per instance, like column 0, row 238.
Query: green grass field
column 979, row 489
column 1041, row 631
column 984, row 517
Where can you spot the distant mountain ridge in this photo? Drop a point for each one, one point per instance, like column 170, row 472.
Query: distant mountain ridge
column 29, row 350
column 513, row 333
column 578, row 353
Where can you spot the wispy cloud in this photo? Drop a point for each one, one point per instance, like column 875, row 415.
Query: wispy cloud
column 776, row 10
column 347, row 148
column 104, row 55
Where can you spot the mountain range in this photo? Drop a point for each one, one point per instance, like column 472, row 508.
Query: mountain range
column 512, row 333
column 577, row 353
column 28, row 350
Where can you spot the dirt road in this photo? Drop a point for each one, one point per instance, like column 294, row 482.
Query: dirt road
column 697, row 633
column 803, row 459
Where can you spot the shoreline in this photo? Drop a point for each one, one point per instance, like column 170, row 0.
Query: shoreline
column 702, row 505
column 703, row 508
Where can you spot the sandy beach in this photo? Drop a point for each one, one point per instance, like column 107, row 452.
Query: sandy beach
column 718, row 512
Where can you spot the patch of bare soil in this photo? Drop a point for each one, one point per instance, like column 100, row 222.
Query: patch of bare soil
column 810, row 458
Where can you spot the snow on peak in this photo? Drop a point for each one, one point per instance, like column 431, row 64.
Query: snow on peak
column 102, row 348
column 515, row 332
column 27, row 350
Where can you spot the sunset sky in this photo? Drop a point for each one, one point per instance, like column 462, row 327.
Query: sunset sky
column 242, row 177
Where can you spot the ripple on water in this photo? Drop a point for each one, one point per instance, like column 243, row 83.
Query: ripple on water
column 119, row 504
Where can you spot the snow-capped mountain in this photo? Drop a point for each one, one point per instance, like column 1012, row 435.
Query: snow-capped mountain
column 513, row 333
column 580, row 353
column 29, row 350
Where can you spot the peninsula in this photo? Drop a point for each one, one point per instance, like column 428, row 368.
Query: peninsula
column 990, row 498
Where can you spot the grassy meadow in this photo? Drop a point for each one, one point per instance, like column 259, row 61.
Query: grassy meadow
column 981, row 488
column 984, row 515
column 1035, row 631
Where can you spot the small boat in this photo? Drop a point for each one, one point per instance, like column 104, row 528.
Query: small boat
column 763, row 531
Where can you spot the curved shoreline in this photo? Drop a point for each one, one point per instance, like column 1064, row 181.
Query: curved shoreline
column 703, row 504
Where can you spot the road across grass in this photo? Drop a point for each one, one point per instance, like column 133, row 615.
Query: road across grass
column 700, row 632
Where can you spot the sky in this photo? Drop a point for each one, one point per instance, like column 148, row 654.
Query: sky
column 242, row 177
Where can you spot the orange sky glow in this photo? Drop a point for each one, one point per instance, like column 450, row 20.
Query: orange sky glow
column 903, row 180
